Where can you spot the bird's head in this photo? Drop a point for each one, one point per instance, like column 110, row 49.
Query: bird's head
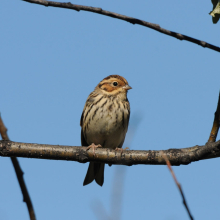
column 113, row 85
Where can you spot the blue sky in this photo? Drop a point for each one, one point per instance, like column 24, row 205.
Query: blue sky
column 52, row 58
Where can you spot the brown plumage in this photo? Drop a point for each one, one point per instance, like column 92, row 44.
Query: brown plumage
column 104, row 121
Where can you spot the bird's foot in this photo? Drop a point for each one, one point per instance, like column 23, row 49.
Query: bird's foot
column 121, row 149
column 93, row 146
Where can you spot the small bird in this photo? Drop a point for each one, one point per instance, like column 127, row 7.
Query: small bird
column 104, row 121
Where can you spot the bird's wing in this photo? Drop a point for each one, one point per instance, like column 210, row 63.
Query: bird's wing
column 81, row 119
column 83, row 140
column 89, row 101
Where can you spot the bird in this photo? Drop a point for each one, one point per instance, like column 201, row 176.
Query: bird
column 104, row 121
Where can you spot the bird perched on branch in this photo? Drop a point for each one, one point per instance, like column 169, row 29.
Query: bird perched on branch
column 104, row 121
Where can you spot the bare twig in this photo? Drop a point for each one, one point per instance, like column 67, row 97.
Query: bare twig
column 132, row 20
column 3, row 130
column 129, row 157
column 19, row 174
column 216, row 123
column 177, row 183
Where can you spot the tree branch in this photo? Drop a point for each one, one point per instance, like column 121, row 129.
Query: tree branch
column 128, row 157
column 216, row 123
column 132, row 20
column 19, row 174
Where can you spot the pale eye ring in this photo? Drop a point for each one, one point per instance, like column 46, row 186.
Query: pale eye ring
column 115, row 83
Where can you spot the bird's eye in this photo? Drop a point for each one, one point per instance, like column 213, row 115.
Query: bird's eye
column 115, row 83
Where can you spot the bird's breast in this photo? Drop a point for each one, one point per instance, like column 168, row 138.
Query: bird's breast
column 106, row 122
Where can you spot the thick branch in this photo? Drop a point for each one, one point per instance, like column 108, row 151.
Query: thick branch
column 128, row 157
column 132, row 20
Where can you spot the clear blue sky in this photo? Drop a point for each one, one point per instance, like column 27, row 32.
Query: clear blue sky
column 52, row 58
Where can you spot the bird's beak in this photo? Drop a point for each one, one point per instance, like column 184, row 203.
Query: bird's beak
column 127, row 87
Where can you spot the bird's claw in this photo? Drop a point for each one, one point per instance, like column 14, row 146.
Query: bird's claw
column 93, row 146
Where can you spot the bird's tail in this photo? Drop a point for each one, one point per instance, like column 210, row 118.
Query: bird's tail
column 95, row 172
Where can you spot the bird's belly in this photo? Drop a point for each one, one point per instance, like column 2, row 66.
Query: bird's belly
column 106, row 129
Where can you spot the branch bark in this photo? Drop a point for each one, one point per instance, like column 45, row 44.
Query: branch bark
column 132, row 20
column 129, row 157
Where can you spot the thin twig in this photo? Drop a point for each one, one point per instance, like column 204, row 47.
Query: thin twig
column 177, row 183
column 216, row 123
column 132, row 20
column 19, row 174
column 3, row 130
